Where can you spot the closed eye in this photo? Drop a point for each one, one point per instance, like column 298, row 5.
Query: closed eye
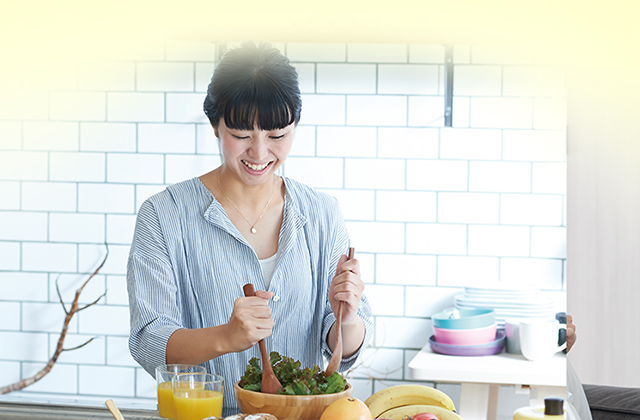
column 240, row 137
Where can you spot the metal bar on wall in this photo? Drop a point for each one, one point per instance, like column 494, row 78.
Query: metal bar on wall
column 448, row 90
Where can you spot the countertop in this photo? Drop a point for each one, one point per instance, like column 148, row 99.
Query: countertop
column 39, row 411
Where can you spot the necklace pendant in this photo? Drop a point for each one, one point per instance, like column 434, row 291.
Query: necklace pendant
column 253, row 230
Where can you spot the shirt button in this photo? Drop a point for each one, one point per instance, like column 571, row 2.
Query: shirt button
column 276, row 298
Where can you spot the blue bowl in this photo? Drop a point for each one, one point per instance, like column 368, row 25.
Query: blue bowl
column 469, row 319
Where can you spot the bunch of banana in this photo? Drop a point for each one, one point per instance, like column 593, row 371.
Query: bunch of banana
column 408, row 395
column 404, row 412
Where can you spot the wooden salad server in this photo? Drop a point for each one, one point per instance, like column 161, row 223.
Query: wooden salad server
column 114, row 409
column 334, row 363
column 270, row 382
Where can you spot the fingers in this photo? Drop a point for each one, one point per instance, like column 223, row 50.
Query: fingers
column 347, row 271
column 253, row 307
column 341, row 261
column 346, row 287
column 250, row 321
column 264, row 295
column 252, row 313
column 347, row 280
column 351, row 265
column 571, row 332
column 570, row 321
column 571, row 328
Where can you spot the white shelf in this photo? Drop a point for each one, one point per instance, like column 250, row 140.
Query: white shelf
column 503, row 368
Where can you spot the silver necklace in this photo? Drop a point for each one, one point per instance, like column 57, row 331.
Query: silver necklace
column 253, row 226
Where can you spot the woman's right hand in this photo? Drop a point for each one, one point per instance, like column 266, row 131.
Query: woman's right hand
column 250, row 321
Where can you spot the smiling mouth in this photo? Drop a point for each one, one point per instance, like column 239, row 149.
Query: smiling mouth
column 256, row 167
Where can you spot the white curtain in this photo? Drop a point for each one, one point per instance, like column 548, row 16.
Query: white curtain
column 603, row 219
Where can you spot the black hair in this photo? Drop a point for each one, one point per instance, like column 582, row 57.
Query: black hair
column 254, row 85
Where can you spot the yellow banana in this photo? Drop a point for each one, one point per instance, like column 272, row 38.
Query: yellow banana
column 401, row 395
column 401, row 413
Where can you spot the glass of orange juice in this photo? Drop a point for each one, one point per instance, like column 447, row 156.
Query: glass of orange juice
column 164, row 375
column 197, row 395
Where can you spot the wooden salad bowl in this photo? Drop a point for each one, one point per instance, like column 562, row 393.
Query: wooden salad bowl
column 286, row 407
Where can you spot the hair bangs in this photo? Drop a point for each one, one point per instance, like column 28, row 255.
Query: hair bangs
column 264, row 109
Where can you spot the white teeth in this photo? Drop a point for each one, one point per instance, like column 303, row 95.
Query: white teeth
column 255, row 167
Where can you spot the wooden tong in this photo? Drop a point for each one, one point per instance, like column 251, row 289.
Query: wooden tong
column 270, row 382
column 336, row 358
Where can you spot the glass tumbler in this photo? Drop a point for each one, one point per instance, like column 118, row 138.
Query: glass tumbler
column 164, row 375
column 197, row 395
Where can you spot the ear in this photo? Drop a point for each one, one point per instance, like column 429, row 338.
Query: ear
column 215, row 131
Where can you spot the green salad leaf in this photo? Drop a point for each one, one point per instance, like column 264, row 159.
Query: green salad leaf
column 294, row 380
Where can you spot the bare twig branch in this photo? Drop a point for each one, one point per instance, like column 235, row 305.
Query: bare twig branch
column 65, row 326
column 81, row 345
column 64, row 308
column 96, row 270
column 92, row 303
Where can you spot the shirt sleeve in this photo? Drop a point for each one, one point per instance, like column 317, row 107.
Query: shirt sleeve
column 340, row 246
column 152, row 288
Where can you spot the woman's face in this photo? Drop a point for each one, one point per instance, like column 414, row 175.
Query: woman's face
column 254, row 156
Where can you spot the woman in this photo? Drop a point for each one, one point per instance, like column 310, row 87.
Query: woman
column 198, row 242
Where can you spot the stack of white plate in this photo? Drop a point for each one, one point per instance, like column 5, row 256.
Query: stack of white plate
column 508, row 301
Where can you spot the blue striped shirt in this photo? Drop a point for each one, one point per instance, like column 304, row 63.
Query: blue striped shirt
column 188, row 263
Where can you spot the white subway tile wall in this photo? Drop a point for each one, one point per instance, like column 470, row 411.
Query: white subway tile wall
column 323, row 109
column 77, row 106
column 407, row 143
column 425, row 111
column 22, row 286
column 10, row 193
column 135, row 107
column 377, row 53
column 108, row 137
column 408, row 79
column 49, row 196
column 10, row 313
column 11, row 134
column 477, row 80
column 106, row 76
column 345, row 78
column 425, row 53
column 76, row 166
column 184, row 107
column 62, row 380
column 405, row 269
column 50, row 135
column 429, row 208
column 117, row 290
column 24, row 105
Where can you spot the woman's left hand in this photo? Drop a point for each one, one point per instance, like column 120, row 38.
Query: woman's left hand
column 347, row 287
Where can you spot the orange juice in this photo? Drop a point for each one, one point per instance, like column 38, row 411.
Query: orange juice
column 165, row 401
column 197, row 405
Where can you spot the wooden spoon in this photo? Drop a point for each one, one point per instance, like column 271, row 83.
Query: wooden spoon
column 114, row 409
column 334, row 363
column 270, row 382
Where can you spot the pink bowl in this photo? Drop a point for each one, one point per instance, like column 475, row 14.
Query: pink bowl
column 469, row 337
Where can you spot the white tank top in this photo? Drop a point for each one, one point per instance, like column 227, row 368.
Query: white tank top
column 267, row 265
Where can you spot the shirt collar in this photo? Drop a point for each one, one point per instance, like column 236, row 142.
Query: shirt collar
column 292, row 221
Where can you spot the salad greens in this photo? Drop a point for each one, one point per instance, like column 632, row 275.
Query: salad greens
column 295, row 381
